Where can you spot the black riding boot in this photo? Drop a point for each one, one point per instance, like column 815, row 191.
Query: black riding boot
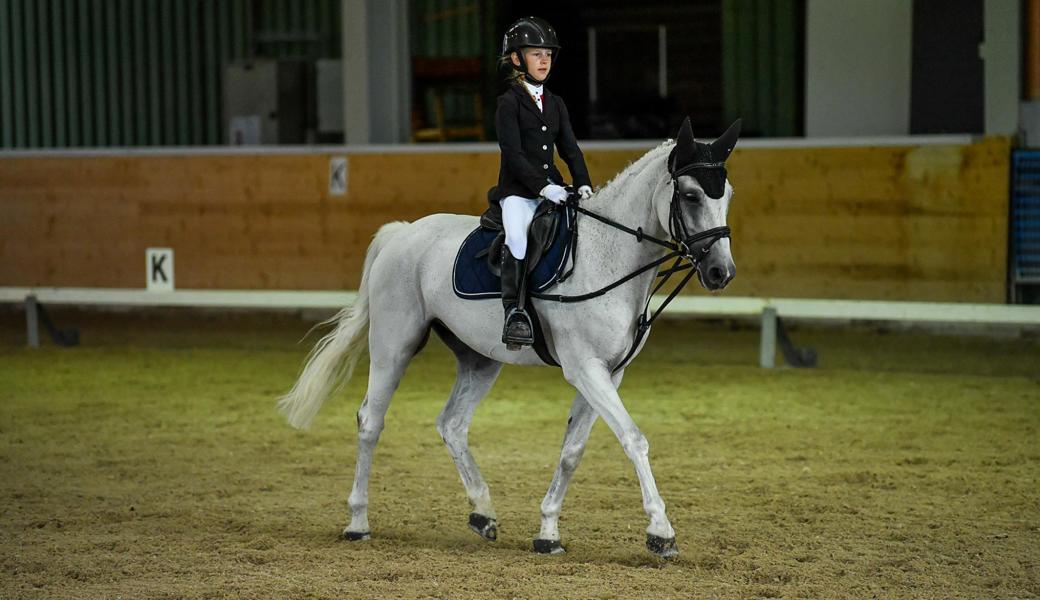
column 518, row 330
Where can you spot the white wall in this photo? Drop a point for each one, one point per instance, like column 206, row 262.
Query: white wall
column 857, row 61
column 390, row 72
column 376, row 72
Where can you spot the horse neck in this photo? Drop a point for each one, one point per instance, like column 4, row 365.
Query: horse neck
column 630, row 198
column 606, row 251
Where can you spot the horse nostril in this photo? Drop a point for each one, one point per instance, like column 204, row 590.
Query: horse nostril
column 716, row 275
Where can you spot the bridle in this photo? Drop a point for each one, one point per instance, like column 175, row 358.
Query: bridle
column 677, row 225
column 683, row 246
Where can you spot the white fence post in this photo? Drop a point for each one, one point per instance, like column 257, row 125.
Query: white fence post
column 767, row 346
column 32, row 322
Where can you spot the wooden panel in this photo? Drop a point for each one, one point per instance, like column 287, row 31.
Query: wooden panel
column 899, row 223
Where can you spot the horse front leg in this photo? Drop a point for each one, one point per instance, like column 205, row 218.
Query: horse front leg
column 579, row 425
column 592, row 379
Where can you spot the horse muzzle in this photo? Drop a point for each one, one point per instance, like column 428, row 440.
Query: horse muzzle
column 715, row 272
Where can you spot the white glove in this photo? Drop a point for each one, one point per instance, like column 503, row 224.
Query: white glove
column 554, row 193
column 585, row 192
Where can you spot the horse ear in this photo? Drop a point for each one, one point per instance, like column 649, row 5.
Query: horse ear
column 723, row 146
column 684, row 143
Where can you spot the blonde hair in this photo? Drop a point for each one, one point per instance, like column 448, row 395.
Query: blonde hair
column 515, row 75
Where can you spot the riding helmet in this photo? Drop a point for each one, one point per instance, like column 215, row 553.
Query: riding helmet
column 529, row 32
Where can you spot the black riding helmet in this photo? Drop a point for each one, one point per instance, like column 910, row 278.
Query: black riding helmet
column 529, row 32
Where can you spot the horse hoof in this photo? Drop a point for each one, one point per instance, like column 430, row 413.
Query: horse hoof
column 356, row 536
column 663, row 547
column 548, row 547
column 483, row 526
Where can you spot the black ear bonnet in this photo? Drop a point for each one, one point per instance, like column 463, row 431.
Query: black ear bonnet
column 711, row 179
column 704, row 162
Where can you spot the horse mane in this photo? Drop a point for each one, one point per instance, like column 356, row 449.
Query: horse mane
column 635, row 168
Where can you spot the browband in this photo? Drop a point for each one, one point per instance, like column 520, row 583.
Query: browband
column 699, row 165
column 690, row 167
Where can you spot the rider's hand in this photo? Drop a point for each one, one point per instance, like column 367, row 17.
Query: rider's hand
column 554, row 193
column 585, row 192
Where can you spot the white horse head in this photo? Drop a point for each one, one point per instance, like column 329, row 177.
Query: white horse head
column 703, row 193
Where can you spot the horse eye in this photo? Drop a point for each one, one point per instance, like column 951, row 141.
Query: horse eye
column 693, row 197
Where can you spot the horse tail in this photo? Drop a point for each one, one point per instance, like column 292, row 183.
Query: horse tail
column 332, row 360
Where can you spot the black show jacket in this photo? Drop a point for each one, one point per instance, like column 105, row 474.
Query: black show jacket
column 526, row 136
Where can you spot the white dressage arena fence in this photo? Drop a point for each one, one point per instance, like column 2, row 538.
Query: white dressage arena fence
column 768, row 310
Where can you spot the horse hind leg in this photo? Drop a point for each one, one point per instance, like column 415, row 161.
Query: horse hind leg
column 389, row 357
column 579, row 425
column 382, row 384
column 476, row 374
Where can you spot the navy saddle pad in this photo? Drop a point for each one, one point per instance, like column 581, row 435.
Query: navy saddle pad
column 473, row 280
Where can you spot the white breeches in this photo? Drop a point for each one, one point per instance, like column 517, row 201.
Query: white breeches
column 517, row 213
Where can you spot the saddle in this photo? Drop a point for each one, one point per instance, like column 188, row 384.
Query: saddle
column 540, row 236
column 476, row 273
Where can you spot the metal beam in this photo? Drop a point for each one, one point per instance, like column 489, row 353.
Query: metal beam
column 61, row 138
column 168, row 69
column 1001, row 53
column 86, row 76
column 389, row 71
column 43, row 41
column 6, row 87
column 154, row 79
column 356, row 118
column 182, row 102
column 140, row 74
column 127, row 60
column 72, row 52
column 114, row 102
column 195, row 62
column 32, row 80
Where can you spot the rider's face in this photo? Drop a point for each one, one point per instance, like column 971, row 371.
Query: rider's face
column 539, row 62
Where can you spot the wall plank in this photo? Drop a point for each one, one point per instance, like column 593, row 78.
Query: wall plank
column 899, row 223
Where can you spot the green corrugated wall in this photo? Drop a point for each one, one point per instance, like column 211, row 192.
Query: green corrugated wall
column 760, row 55
column 133, row 72
column 447, row 28
column 450, row 29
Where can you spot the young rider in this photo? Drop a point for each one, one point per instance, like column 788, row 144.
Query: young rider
column 530, row 121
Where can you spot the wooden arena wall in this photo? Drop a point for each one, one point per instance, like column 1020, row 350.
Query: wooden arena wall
column 899, row 222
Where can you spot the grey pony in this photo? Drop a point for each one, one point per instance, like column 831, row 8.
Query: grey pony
column 406, row 288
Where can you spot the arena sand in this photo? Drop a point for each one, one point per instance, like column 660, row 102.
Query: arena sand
column 150, row 463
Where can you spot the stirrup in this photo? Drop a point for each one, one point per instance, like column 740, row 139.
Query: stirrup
column 515, row 340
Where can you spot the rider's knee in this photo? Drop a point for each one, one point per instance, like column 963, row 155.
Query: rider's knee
column 517, row 247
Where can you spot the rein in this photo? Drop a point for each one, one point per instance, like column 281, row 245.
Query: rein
column 681, row 249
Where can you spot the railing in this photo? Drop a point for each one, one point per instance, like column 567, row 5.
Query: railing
column 769, row 310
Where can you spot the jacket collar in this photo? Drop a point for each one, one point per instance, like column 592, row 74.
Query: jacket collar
column 528, row 102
